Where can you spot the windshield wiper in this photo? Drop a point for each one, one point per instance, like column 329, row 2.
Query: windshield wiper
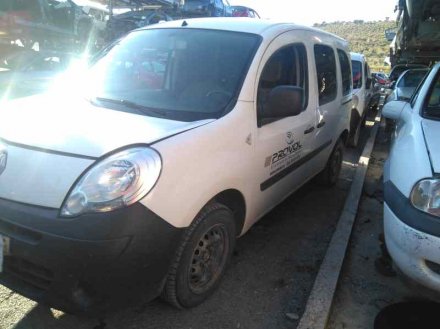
column 132, row 105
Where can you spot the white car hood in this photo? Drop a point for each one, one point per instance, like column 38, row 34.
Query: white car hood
column 431, row 130
column 78, row 127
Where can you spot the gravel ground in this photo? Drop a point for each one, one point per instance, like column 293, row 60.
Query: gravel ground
column 271, row 274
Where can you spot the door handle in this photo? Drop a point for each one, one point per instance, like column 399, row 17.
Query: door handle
column 321, row 124
column 309, row 130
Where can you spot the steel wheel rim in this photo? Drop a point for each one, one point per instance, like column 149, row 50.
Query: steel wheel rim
column 208, row 259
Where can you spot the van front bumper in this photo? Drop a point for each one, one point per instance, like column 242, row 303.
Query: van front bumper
column 412, row 239
column 89, row 263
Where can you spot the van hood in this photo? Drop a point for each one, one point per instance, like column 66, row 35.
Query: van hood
column 76, row 126
column 431, row 130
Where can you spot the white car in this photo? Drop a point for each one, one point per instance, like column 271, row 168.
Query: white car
column 141, row 182
column 362, row 93
column 412, row 184
column 407, row 84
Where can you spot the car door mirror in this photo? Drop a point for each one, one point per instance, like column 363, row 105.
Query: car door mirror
column 283, row 101
column 369, row 81
column 393, row 109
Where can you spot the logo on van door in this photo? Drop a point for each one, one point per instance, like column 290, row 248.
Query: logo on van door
column 289, row 138
column 286, row 156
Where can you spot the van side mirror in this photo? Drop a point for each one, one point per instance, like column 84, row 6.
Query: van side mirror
column 369, row 81
column 393, row 109
column 284, row 101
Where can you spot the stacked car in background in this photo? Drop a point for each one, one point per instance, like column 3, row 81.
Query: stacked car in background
column 418, row 34
column 49, row 31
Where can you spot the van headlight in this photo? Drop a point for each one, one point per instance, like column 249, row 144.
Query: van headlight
column 425, row 196
column 114, row 182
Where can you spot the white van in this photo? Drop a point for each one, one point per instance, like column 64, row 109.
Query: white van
column 362, row 93
column 143, row 181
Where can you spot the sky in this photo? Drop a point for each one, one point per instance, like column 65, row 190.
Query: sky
column 307, row 12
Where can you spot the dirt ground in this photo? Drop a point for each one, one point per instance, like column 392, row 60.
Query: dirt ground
column 363, row 289
column 271, row 273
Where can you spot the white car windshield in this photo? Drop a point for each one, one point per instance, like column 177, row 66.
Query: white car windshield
column 432, row 108
column 181, row 74
column 412, row 78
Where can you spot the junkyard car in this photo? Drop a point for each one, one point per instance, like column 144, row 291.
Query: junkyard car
column 397, row 71
column 27, row 72
column 379, row 82
column 412, row 184
column 120, row 25
column 362, row 92
column 407, row 84
column 207, row 8
column 56, row 23
column 418, row 36
column 128, row 188
column 380, row 78
column 242, row 11
column 394, row 75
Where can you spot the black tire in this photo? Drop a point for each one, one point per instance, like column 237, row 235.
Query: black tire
column 355, row 129
column 364, row 120
column 353, row 139
column 201, row 258
column 329, row 176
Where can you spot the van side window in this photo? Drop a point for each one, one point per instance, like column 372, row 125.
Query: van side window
column 286, row 67
column 345, row 73
column 326, row 73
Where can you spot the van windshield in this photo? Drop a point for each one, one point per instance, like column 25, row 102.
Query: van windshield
column 181, row 74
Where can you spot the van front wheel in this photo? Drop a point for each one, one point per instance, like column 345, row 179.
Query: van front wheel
column 201, row 258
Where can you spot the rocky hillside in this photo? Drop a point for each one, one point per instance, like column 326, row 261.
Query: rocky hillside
column 364, row 37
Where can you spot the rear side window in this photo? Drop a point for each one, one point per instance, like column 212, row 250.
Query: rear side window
column 326, row 73
column 345, row 72
column 286, row 67
column 357, row 74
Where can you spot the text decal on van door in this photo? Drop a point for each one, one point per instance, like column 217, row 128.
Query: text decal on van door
column 284, row 157
column 295, row 165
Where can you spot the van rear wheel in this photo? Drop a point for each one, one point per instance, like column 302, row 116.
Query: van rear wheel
column 201, row 258
column 355, row 129
column 329, row 176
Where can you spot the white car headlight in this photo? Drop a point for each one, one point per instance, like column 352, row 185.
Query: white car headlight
column 425, row 196
column 114, row 182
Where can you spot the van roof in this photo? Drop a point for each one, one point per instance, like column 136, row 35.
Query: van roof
column 240, row 24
